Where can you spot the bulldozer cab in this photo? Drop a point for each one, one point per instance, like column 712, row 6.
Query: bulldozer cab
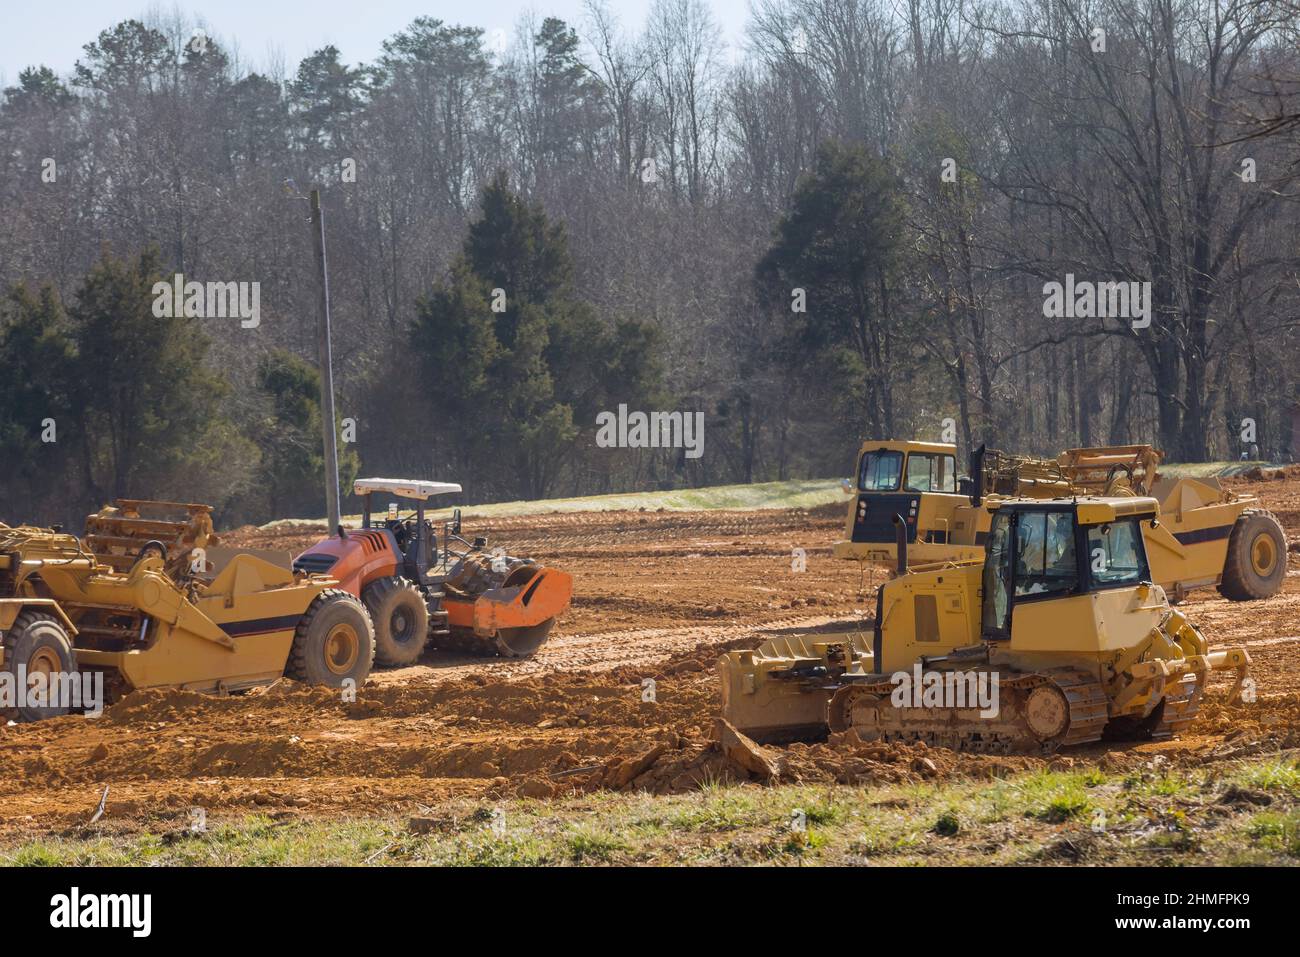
column 1040, row 552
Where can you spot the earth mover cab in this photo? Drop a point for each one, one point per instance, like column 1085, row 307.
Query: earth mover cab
column 418, row 588
column 1059, row 616
column 919, row 481
column 1206, row 536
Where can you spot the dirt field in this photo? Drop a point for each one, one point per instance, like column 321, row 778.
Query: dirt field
column 657, row 595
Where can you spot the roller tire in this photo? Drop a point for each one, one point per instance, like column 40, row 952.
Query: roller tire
column 401, row 618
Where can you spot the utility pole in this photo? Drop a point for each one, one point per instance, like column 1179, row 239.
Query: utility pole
column 329, row 432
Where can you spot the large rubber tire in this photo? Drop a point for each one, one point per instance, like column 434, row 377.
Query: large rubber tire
column 1256, row 562
column 334, row 642
column 401, row 616
column 39, row 642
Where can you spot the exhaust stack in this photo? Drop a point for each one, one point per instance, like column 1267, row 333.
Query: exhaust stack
column 900, row 544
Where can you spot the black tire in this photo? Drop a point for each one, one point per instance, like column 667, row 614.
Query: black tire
column 401, row 616
column 334, row 642
column 1256, row 561
column 38, row 641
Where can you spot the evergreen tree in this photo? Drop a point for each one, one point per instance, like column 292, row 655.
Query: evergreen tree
column 835, row 254
column 292, row 468
column 142, row 398
column 35, row 424
column 327, row 94
column 516, row 365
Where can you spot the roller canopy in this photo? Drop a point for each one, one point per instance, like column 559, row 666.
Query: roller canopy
column 404, row 488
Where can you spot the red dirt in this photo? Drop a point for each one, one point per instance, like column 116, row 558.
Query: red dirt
column 657, row 595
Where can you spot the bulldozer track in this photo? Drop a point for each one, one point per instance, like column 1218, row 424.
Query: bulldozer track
column 1088, row 706
column 1179, row 709
column 964, row 729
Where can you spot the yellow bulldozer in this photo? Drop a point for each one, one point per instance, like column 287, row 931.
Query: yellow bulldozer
column 148, row 613
column 1054, row 636
column 1206, row 535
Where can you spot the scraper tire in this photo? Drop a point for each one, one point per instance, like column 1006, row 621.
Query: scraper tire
column 334, row 642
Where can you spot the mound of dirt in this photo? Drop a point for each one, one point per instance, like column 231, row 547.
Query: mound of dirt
column 173, row 704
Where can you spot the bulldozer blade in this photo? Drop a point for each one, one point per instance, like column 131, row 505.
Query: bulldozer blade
column 780, row 691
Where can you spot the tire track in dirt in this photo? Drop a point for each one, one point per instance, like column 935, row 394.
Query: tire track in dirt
column 602, row 651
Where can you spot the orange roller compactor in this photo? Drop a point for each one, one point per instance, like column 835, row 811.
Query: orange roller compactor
column 419, row 591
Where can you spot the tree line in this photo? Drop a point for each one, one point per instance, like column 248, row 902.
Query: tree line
column 844, row 229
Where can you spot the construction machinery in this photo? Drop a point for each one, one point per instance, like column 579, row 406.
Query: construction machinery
column 67, row 610
column 1206, row 534
column 117, row 532
column 1058, row 616
column 418, row 591
column 179, row 532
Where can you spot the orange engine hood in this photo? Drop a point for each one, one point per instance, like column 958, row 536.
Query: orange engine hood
column 355, row 561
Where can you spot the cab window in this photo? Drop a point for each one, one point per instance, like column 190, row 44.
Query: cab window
column 928, row 472
column 1115, row 556
column 996, row 600
column 880, row 471
column 1045, row 560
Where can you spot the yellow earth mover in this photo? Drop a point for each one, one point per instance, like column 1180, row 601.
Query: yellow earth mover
column 65, row 610
column 1055, row 636
column 1206, row 534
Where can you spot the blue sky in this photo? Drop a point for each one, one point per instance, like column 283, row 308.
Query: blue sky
column 54, row 32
